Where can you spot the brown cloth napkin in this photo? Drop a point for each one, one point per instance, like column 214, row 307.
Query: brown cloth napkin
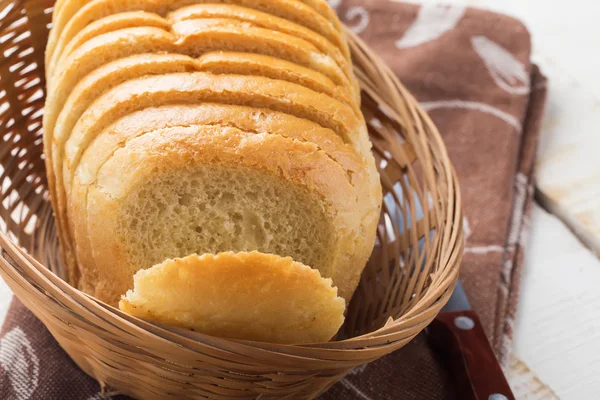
column 470, row 69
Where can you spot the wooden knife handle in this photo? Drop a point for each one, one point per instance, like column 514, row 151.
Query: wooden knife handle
column 477, row 373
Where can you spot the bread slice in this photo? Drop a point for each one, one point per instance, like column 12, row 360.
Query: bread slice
column 248, row 296
column 176, row 191
column 108, row 24
column 261, row 20
column 237, row 63
column 75, row 15
column 197, row 36
column 365, row 182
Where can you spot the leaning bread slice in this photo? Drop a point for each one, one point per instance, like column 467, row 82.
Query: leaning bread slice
column 108, row 24
column 75, row 15
column 210, row 189
column 197, row 36
column 247, row 296
column 247, row 119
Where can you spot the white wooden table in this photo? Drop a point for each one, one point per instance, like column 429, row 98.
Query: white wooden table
column 558, row 322
column 557, row 341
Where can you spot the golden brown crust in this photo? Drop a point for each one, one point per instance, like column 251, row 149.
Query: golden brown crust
column 197, row 36
column 217, row 295
column 261, row 20
column 108, row 24
column 237, row 63
column 202, row 11
column 169, row 149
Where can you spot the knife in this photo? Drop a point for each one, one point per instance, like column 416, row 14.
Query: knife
column 459, row 336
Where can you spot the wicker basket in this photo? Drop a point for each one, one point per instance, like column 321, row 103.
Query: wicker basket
column 410, row 276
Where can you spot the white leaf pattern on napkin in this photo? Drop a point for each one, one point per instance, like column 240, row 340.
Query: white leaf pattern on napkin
column 18, row 359
column 359, row 14
column 432, row 22
column 357, row 392
column 466, row 228
column 356, row 12
column 334, row 3
column 99, row 396
column 473, row 105
column 508, row 72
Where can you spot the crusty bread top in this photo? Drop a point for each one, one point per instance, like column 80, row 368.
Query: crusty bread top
column 248, row 296
column 197, row 36
column 237, row 63
column 74, row 15
column 108, row 24
column 261, row 20
column 247, row 119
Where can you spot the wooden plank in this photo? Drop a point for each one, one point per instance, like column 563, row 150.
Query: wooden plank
column 557, row 331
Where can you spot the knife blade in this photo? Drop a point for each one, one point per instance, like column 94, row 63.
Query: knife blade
column 459, row 335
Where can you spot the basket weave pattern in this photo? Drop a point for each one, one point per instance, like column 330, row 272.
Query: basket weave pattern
column 410, row 275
